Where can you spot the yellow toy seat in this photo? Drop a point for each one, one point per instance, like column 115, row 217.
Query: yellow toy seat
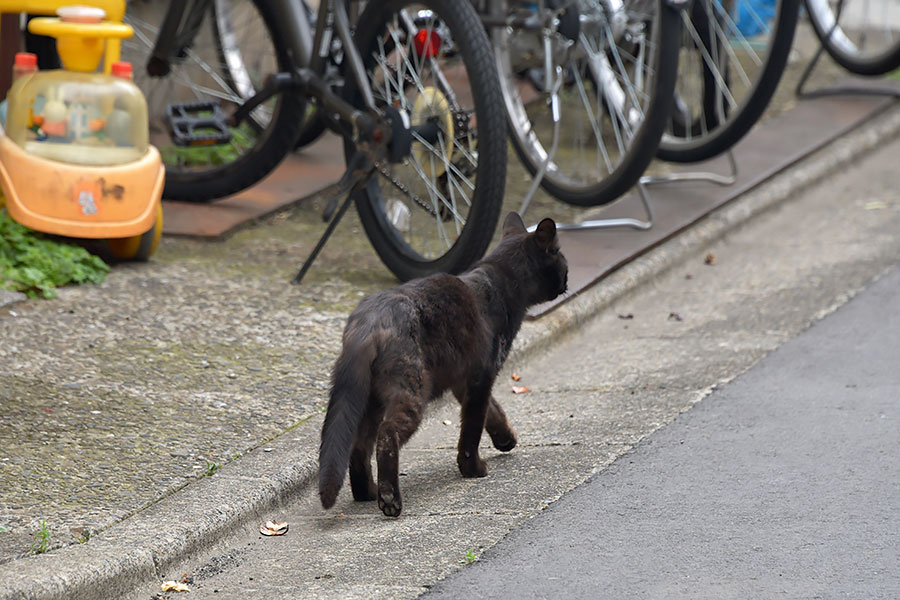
column 75, row 160
column 79, row 200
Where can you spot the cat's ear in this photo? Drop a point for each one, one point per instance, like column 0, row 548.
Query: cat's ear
column 513, row 224
column 545, row 234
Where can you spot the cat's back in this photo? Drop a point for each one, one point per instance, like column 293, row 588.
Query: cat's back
column 439, row 305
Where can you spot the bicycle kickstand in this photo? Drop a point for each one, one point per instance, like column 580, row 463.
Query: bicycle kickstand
column 359, row 168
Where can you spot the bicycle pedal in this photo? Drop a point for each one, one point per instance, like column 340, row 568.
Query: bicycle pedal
column 200, row 123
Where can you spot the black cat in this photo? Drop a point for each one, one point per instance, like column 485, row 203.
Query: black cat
column 406, row 346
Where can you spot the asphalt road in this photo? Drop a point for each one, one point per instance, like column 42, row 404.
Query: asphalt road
column 783, row 483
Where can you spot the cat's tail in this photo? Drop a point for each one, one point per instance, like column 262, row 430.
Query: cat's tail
column 349, row 395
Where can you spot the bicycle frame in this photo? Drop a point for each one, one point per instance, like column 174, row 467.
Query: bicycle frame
column 183, row 19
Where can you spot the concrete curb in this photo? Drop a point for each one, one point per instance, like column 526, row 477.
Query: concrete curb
column 9, row 298
column 245, row 491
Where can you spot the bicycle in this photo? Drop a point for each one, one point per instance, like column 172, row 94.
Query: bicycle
column 617, row 61
column 617, row 66
column 731, row 60
column 864, row 38
column 417, row 104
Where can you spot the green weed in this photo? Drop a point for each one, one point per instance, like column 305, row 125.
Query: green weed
column 469, row 558
column 212, row 467
column 35, row 265
column 214, row 155
column 41, row 541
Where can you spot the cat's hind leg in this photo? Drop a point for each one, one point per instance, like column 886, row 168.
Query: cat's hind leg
column 401, row 420
column 361, row 482
column 475, row 400
column 497, row 425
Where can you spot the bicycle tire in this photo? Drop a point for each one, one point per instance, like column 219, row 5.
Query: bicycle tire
column 843, row 49
column 614, row 175
column 728, row 129
column 258, row 152
column 477, row 145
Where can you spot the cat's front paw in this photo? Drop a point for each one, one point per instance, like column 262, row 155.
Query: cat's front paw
column 471, row 465
column 389, row 502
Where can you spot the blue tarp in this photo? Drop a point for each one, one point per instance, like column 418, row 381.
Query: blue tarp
column 754, row 16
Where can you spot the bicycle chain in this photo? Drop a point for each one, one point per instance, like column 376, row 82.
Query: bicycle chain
column 404, row 189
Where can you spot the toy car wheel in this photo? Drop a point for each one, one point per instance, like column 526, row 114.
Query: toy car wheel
column 138, row 247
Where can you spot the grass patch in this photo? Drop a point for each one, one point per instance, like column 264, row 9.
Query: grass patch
column 216, row 155
column 33, row 264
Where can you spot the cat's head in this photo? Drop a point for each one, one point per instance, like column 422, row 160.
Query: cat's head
column 547, row 271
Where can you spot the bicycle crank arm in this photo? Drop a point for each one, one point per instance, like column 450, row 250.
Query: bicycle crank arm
column 307, row 82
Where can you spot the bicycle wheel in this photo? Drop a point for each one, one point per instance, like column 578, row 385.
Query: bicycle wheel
column 237, row 43
column 862, row 37
column 438, row 208
column 618, row 77
column 731, row 59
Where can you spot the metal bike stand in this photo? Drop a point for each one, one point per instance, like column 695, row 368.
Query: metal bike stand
column 837, row 90
column 554, row 112
column 649, row 180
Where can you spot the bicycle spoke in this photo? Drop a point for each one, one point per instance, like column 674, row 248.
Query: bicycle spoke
column 710, row 63
column 595, row 125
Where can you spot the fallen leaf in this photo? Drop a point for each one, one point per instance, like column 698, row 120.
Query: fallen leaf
column 875, row 205
column 710, row 259
column 519, row 389
column 627, row 316
column 515, row 377
column 174, row 586
column 674, row 316
column 273, row 528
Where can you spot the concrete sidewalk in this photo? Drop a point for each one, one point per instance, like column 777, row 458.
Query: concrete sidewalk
column 117, row 399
